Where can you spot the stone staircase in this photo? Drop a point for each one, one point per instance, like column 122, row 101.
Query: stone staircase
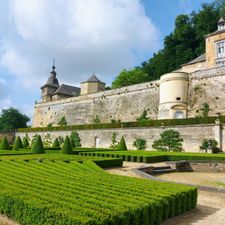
column 162, row 169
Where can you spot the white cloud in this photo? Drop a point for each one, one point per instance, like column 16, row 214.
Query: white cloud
column 84, row 36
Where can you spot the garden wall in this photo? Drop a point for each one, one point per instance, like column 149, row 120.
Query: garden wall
column 191, row 134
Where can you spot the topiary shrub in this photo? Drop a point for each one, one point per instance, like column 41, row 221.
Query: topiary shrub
column 75, row 139
column 47, row 141
column 122, row 145
column 140, row 143
column 37, row 146
column 67, row 148
column 170, row 141
column 17, row 144
column 210, row 144
column 26, row 141
column 56, row 143
column 4, row 145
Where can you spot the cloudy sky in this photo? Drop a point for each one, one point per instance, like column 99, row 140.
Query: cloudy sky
column 84, row 36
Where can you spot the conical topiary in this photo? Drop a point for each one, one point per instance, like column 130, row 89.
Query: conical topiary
column 25, row 143
column 4, row 144
column 67, row 147
column 17, row 144
column 37, row 146
column 56, row 143
column 122, row 145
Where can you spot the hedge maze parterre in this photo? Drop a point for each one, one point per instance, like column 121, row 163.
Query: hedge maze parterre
column 51, row 191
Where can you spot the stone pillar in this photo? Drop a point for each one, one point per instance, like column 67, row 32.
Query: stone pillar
column 218, row 133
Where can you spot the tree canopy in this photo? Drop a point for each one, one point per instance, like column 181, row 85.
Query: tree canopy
column 185, row 43
column 11, row 119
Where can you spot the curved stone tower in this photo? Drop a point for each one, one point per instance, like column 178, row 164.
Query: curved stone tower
column 173, row 95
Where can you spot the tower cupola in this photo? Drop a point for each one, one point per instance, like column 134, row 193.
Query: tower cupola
column 221, row 24
column 51, row 86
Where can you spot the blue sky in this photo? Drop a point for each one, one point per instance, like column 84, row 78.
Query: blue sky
column 84, row 36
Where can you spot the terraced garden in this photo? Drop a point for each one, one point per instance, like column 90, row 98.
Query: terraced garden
column 47, row 189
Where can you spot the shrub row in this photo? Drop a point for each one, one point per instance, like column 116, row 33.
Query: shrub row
column 147, row 123
column 153, row 156
column 27, row 156
column 72, row 193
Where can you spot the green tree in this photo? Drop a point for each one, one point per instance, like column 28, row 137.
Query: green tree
column 75, row 139
column 56, row 143
column 47, row 141
column 4, row 145
column 62, row 121
column 205, row 109
column 170, row 141
column 143, row 116
column 11, row 119
column 186, row 42
column 140, row 143
column 26, row 141
column 209, row 144
column 17, row 144
column 114, row 140
column 34, row 138
column 122, row 145
column 67, row 148
column 96, row 120
column 37, row 146
column 126, row 78
column 61, row 140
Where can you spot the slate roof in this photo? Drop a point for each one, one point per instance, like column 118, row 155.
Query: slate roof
column 221, row 20
column 92, row 79
column 200, row 58
column 65, row 89
column 52, row 80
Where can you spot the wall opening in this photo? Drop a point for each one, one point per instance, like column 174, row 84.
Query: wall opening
column 96, row 142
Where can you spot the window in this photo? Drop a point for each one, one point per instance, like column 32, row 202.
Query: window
column 178, row 98
column 220, row 49
column 179, row 114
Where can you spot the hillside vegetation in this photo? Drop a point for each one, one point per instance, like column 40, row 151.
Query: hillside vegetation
column 185, row 43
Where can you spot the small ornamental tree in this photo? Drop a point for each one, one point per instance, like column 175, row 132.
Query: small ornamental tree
column 67, row 148
column 114, row 140
column 209, row 144
column 143, row 117
column 122, row 145
column 47, row 141
column 37, row 146
column 4, row 145
column 170, row 141
column 205, row 109
column 34, row 138
column 96, row 120
column 140, row 144
column 75, row 139
column 61, row 140
column 26, row 140
column 56, row 143
column 17, row 144
column 62, row 121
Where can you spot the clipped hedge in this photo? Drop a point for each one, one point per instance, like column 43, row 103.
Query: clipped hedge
column 91, row 197
column 154, row 156
column 147, row 123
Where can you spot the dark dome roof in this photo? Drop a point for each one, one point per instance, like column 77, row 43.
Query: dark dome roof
column 52, row 80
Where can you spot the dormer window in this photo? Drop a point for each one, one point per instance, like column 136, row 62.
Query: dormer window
column 221, row 24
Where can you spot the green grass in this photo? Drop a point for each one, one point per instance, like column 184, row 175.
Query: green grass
column 69, row 193
column 156, row 156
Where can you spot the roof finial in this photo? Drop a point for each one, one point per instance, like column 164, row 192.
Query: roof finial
column 53, row 66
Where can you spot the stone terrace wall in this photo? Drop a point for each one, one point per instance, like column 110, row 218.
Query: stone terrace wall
column 192, row 135
column 207, row 86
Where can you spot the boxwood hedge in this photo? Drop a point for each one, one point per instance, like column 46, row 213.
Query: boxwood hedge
column 59, row 193
column 147, row 123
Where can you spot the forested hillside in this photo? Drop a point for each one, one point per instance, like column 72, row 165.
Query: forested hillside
column 185, row 43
